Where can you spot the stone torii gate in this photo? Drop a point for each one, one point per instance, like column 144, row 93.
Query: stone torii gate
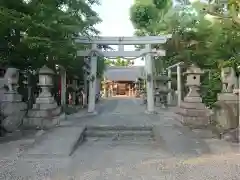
column 148, row 52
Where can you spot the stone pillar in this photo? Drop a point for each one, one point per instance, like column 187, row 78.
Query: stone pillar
column 85, row 89
column 12, row 107
column 45, row 112
column 150, row 85
column 169, row 96
column 92, row 82
column 75, row 89
column 105, row 87
column 179, row 84
column 63, row 87
column 193, row 112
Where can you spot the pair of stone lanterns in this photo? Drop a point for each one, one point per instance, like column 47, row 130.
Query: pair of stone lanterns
column 45, row 112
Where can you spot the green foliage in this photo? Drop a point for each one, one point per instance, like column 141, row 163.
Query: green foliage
column 34, row 33
column 118, row 62
column 209, row 42
column 211, row 86
column 160, row 4
column 100, row 66
column 143, row 15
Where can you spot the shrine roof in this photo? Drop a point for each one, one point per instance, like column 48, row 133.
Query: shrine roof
column 117, row 73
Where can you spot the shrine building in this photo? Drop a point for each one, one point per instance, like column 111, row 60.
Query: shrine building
column 122, row 80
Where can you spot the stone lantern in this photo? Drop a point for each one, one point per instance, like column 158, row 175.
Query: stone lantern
column 45, row 112
column 193, row 112
column 193, row 75
column 162, row 89
column 45, row 81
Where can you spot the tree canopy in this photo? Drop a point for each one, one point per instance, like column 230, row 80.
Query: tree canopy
column 37, row 32
column 118, row 62
column 203, row 34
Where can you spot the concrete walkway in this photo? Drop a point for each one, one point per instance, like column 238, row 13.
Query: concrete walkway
column 171, row 135
column 178, row 153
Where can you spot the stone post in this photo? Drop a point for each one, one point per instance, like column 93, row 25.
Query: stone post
column 193, row 112
column 179, row 84
column 105, row 87
column 149, row 78
column 169, row 96
column 74, row 89
column 45, row 112
column 85, row 89
column 63, row 87
column 92, row 82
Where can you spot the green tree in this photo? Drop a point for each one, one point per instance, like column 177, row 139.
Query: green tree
column 208, row 41
column 36, row 32
column 121, row 62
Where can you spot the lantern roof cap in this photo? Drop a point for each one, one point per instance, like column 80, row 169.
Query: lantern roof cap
column 193, row 69
column 45, row 70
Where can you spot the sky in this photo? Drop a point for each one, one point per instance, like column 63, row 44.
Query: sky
column 116, row 20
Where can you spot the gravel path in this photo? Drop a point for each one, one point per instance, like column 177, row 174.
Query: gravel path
column 170, row 159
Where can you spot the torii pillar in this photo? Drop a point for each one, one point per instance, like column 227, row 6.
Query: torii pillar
column 149, row 84
column 92, row 82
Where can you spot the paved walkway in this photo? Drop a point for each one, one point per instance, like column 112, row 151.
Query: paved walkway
column 178, row 155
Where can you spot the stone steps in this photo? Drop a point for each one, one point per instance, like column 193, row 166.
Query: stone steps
column 120, row 132
column 120, row 128
column 122, row 141
column 218, row 146
column 61, row 141
column 116, row 133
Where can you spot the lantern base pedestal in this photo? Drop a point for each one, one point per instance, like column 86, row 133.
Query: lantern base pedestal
column 45, row 114
column 194, row 115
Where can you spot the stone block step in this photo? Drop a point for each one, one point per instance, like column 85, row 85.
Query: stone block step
column 121, row 141
column 218, row 146
column 60, row 141
column 120, row 128
column 117, row 133
column 204, row 133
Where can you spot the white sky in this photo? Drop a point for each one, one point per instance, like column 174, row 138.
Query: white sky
column 116, row 20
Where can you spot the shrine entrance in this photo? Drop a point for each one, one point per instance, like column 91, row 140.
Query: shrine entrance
column 125, row 88
column 147, row 53
column 119, row 88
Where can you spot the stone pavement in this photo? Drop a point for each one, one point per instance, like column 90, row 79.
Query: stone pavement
column 178, row 153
